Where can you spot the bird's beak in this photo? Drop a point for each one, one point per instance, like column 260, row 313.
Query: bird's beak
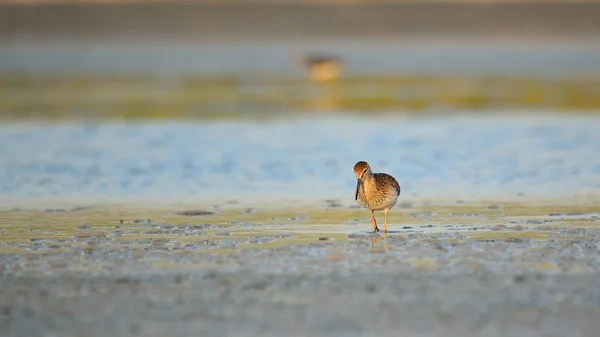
column 357, row 187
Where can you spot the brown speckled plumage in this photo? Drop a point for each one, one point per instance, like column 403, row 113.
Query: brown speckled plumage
column 375, row 191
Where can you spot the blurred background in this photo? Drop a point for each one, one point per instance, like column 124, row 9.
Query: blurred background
column 272, row 98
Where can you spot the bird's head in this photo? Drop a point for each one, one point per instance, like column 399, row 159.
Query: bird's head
column 361, row 168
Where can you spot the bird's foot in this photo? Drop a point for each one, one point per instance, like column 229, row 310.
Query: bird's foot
column 376, row 230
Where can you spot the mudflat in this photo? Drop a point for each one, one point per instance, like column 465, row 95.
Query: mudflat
column 460, row 268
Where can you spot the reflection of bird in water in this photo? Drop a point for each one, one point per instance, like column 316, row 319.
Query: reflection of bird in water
column 321, row 67
column 375, row 191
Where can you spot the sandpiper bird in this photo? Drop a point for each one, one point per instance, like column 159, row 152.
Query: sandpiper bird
column 321, row 67
column 375, row 191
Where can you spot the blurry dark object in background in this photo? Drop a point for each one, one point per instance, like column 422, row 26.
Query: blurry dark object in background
column 321, row 67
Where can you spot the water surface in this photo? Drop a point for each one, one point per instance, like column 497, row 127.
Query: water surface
column 458, row 157
column 278, row 58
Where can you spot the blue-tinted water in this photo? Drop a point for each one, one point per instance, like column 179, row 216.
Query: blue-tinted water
column 460, row 157
column 277, row 58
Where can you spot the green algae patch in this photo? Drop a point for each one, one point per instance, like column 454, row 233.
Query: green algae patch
column 138, row 97
column 232, row 227
column 427, row 237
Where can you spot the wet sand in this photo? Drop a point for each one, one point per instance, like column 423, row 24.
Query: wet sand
column 446, row 268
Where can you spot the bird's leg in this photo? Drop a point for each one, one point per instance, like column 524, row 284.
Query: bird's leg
column 385, row 221
column 375, row 229
column 385, row 242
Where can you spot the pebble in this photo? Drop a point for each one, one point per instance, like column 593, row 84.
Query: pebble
column 196, row 213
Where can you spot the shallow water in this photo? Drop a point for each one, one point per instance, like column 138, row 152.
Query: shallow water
column 277, row 57
column 550, row 156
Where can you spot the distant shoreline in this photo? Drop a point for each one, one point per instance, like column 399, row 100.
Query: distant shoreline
column 299, row 2
column 158, row 20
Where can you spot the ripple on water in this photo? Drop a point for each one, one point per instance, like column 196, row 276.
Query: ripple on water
column 478, row 156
